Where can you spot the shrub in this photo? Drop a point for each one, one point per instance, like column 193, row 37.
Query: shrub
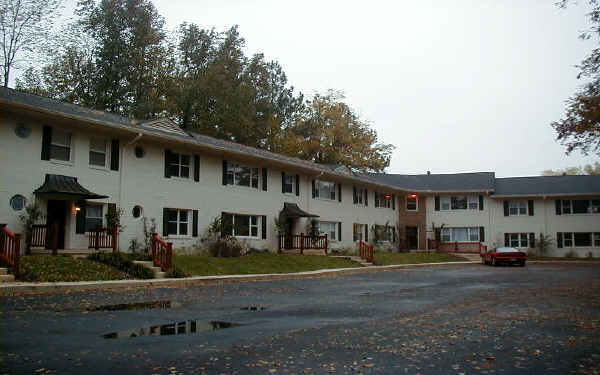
column 176, row 273
column 571, row 254
column 590, row 255
column 121, row 262
column 225, row 247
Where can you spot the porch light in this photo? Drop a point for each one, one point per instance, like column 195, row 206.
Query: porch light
column 414, row 196
column 76, row 209
column 388, row 196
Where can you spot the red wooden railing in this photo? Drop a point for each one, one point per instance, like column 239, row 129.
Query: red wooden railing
column 38, row 235
column 10, row 249
column 302, row 242
column 103, row 238
column 162, row 252
column 366, row 251
column 457, row 247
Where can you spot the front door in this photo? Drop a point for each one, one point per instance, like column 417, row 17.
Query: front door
column 56, row 221
column 289, row 228
column 412, row 237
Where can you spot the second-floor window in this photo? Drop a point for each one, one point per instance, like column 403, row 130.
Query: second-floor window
column 289, row 182
column 383, row 200
column 242, row 175
column 179, row 165
column 98, row 152
column 360, row 196
column 60, row 146
column 459, row 202
column 517, row 208
column 325, row 190
column 411, row 202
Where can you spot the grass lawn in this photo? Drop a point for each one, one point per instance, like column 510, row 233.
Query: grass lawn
column 66, row 268
column 383, row 259
column 203, row 265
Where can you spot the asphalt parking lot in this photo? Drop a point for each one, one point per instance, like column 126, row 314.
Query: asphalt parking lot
column 459, row 319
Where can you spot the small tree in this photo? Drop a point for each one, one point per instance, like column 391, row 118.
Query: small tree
column 149, row 230
column 544, row 244
column 32, row 215
column 113, row 217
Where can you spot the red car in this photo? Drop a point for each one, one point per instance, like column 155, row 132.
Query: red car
column 508, row 255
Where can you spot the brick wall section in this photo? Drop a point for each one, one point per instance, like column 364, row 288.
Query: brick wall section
column 413, row 219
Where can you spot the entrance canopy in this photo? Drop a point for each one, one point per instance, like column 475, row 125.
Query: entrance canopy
column 292, row 210
column 65, row 187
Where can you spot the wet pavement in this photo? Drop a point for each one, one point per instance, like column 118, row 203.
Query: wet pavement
column 459, row 319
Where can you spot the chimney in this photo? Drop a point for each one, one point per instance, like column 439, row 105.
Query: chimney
column 428, row 173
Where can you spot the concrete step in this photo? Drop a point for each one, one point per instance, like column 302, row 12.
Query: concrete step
column 159, row 275
column 145, row 263
column 7, row 278
column 3, row 271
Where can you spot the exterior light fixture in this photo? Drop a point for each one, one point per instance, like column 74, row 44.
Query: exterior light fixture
column 387, row 196
column 412, row 196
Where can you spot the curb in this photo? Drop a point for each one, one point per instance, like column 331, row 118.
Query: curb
column 9, row 289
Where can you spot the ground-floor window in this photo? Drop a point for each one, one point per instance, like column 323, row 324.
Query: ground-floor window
column 93, row 217
column 178, row 222
column 469, row 234
column 241, row 225
column 580, row 239
column 361, row 232
column 329, row 228
column 519, row 239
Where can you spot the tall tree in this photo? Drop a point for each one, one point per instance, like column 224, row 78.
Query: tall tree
column 586, row 169
column 579, row 129
column 25, row 26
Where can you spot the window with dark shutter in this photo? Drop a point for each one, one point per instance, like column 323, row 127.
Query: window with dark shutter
column 506, row 240
column 165, row 222
column 366, row 232
column 314, row 189
column 481, row 203
column 339, row 231
column 46, row 142
column 283, row 182
column 80, row 218
column 366, row 197
column 195, row 223
column 393, row 202
column 354, row 197
column 264, row 179
column 114, row 155
column 196, row 168
column 530, row 207
column 224, row 172
column 558, row 207
column 263, row 227
column 297, row 185
column 506, row 211
column 481, row 234
column 532, row 240
column 437, row 202
column 559, row 240
column 339, row 192
column 167, row 159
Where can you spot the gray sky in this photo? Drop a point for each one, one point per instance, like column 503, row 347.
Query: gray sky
column 456, row 86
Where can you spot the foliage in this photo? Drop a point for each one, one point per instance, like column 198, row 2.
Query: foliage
column 65, row 268
column 176, row 273
column 543, row 244
column 123, row 263
column 226, row 247
column 149, row 230
column 387, row 258
column 113, row 217
column 579, row 129
column 312, row 228
column 28, row 219
column 586, row 169
column 279, row 225
column 24, row 28
column 571, row 254
column 200, row 265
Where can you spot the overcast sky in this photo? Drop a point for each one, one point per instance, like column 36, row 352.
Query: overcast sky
column 456, row 86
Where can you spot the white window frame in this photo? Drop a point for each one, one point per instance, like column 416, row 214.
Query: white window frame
column 360, row 196
column 520, row 239
column 596, row 239
column 518, row 208
column 361, row 231
column 54, row 143
column 446, row 203
column 180, row 165
column 592, row 209
column 331, row 234
column 178, row 222
column 570, row 236
column 320, row 184
column 104, row 152
column 449, row 234
column 88, row 218
column 472, row 202
column 416, row 204
column 292, row 177
column 381, row 201
column 234, row 175
column 250, row 226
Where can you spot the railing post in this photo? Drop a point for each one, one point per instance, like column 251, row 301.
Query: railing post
column 17, row 256
column 168, row 262
column 97, row 240
column 301, row 243
column 154, row 242
column 280, row 238
column 326, row 243
column 115, row 238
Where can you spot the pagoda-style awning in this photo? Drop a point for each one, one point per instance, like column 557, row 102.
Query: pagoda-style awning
column 292, row 210
column 65, row 187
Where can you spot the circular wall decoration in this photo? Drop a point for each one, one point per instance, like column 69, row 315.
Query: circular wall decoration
column 137, row 211
column 18, row 202
column 139, row 152
column 22, row 131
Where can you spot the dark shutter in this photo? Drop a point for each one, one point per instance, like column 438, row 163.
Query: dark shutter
column 437, row 202
column 394, row 234
column 226, row 224
column 559, row 240
column 367, row 233
column 196, row 168
column 297, row 185
column 530, row 207
column 165, row 222
column 481, row 203
column 354, row 196
column 314, row 190
column 167, row 158
column 339, row 192
column 505, row 208
column 506, row 240
column 558, row 208
column 263, row 227
column 264, row 179
column 366, row 197
column 283, row 182
column 112, row 211
column 46, row 141
column 224, row 172
column 195, row 223
column 393, row 202
column 80, row 218
column 339, row 231
column 532, row 240
column 114, row 155
column 481, row 234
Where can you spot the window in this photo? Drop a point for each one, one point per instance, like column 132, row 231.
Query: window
column 325, row 190
column 178, row 221
column 518, row 239
column 470, row 234
column 288, row 183
column 383, row 200
column 18, row 202
column 98, row 152
column 242, row 175
column 179, row 165
column 329, row 228
column 581, row 239
column 580, row 206
column 596, row 239
column 517, row 208
column 459, row 202
column 359, row 232
column 359, row 196
column 93, row 217
column 137, row 211
column 60, row 146
column 411, row 202
column 243, row 226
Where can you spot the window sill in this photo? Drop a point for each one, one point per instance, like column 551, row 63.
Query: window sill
column 180, row 179
column 326, row 200
column 62, row 162
column 247, row 237
column 243, row 187
column 100, row 168
column 178, row 237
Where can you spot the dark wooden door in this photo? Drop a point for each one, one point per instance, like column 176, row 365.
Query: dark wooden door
column 412, row 237
column 56, row 221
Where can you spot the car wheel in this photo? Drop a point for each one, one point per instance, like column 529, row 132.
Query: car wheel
column 522, row 264
column 494, row 263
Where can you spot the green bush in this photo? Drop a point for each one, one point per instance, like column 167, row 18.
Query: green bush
column 123, row 263
column 176, row 273
column 227, row 247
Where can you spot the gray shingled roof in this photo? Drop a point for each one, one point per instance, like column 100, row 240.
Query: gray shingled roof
column 548, row 185
column 478, row 181
column 66, row 185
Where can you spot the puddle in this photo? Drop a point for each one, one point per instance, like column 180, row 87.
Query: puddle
column 188, row 327
column 254, row 308
column 137, row 306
